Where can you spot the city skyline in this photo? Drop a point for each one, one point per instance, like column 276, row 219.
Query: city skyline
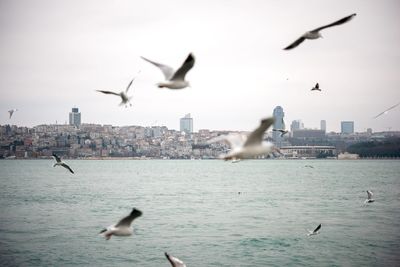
column 55, row 56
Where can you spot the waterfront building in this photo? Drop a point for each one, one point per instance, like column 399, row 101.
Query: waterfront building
column 323, row 125
column 347, row 127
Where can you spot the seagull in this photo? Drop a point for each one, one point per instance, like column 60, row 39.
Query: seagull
column 315, row 34
column 380, row 114
column 174, row 79
column 122, row 228
column 309, row 166
column 249, row 147
column 59, row 162
column 315, row 232
column 125, row 99
column 369, row 199
column 282, row 131
column 316, row 88
column 11, row 111
column 175, row 262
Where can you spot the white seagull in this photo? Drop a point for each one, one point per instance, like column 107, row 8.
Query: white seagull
column 174, row 79
column 369, row 199
column 316, row 88
column 315, row 34
column 175, row 262
column 11, row 111
column 380, row 114
column 249, row 147
column 125, row 99
column 59, row 162
column 123, row 227
column 315, row 232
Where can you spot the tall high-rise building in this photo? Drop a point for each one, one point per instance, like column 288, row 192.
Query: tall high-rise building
column 75, row 117
column 278, row 124
column 296, row 125
column 186, row 124
column 323, row 125
column 347, row 127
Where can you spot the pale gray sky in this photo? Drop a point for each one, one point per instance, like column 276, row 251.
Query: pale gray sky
column 55, row 54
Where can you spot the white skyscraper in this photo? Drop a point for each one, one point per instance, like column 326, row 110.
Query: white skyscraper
column 75, row 117
column 323, row 125
column 186, row 124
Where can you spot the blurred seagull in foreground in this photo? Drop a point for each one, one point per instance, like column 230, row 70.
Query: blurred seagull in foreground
column 174, row 79
column 316, row 88
column 315, row 232
column 369, row 199
column 250, row 147
column 123, row 227
column 175, row 262
column 125, row 99
column 59, row 162
column 315, row 34
column 11, row 111
column 380, row 114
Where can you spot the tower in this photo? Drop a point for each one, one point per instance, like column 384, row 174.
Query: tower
column 323, row 125
column 278, row 124
column 75, row 117
column 186, row 124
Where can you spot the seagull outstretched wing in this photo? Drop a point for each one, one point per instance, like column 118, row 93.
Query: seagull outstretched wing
column 186, row 66
column 67, row 167
column 336, row 23
column 57, row 158
column 108, row 92
column 386, row 111
column 175, row 262
column 295, row 43
column 166, row 70
column 317, row 229
column 128, row 219
column 256, row 136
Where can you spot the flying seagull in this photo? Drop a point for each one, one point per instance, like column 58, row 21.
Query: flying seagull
column 309, row 166
column 11, row 111
column 380, row 114
column 123, row 227
column 282, row 131
column 315, row 232
column 174, row 79
column 249, row 147
column 175, row 262
column 316, row 88
column 125, row 99
column 315, row 34
column 59, row 162
column 369, row 199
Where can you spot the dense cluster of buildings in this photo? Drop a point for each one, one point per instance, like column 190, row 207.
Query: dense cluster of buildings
column 80, row 140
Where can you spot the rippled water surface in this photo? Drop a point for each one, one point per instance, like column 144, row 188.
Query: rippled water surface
column 194, row 211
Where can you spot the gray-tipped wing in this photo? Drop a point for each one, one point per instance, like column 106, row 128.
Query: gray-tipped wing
column 108, row 92
column 295, row 43
column 57, row 158
column 336, row 23
column 384, row 112
column 67, row 167
column 128, row 219
column 129, row 85
column 317, row 229
column 166, row 70
column 256, row 136
column 370, row 194
column 175, row 262
column 186, row 66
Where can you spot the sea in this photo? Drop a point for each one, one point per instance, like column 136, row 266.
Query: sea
column 204, row 212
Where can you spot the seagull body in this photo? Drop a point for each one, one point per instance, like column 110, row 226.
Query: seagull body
column 316, row 88
column 59, row 162
column 380, row 114
column 175, row 262
column 369, row 199
column 315, row 232
column 125, row 99
column 315, row 34
column 250, row 147
column 11, row 111
column 174, row 79
column 123, row 227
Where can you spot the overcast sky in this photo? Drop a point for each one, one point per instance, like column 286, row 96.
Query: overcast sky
column 55, row 54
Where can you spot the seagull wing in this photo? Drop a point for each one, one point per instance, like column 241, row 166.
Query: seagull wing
column 186, row 66
column 336, row 23
column 11, row 112
column 129, row 85
column 128, row 219
column 175, row 262
column 317, row 229
column 108, row 92
column 380, row 114
column 295, row 43
column 67, row 167
column 317, row 86
column 370, row 194
column 166, row 70
column 256, row 136
column 57, row 158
